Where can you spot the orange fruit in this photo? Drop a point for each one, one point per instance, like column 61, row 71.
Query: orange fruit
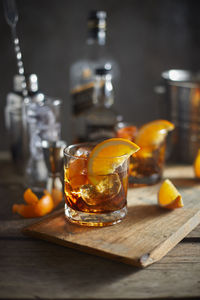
column 168, row 196
column 106, row 156
column 34, row 208
column 153, row 133
column 196, row 165
column 128, row 132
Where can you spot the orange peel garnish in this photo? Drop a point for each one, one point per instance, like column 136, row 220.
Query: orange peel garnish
column 35, row 207
column 30, row 197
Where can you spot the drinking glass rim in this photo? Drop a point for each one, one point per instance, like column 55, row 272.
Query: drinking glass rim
column 79, row 145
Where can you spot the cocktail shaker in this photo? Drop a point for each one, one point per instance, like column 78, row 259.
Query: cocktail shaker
column 181, row 91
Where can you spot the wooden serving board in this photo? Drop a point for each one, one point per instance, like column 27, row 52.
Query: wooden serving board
column 146, row 234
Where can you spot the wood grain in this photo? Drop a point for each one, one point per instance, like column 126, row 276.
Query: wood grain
column 34, row 269
column 145, row 235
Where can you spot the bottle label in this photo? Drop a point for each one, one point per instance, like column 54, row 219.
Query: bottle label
column 97, row 132
column 82, row 98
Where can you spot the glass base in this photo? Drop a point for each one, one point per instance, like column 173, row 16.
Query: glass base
column 145, row 180
column 92, row 219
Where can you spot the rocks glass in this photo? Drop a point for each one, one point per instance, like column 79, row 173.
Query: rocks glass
column 93, row 199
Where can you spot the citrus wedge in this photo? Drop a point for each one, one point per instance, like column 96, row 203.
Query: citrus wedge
column 197, row 165
column 110, row 154
column 153, row 133
column 168, row 196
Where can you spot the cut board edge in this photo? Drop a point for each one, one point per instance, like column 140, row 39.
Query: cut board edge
column 143, row 261
column 161, row 250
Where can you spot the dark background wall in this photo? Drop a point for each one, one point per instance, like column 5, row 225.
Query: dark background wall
column 145, row 37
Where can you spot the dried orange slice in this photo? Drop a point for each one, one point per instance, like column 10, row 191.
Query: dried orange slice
column 34, row 208
column 106, row 156
column 153, row 133
column 197, row 165
column 168, row 196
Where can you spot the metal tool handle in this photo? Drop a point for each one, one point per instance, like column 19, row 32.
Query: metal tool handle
column 11, row 16
column 10, row 11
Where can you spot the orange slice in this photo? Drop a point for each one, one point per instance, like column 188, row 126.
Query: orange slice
column 197, row 165
column 34, row 208
column 153, row 133
column 168, row 196
column 109, row 154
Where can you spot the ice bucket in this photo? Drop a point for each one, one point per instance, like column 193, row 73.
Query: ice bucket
column 181, row 90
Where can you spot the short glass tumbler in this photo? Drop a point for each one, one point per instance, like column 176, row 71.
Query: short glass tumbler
column 146, row 167
column 93, row 199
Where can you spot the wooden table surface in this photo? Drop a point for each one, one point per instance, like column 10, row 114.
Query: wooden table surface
column 31, row 268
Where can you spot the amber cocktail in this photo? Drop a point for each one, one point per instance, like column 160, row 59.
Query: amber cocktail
column 146, row 166
column 95, row 184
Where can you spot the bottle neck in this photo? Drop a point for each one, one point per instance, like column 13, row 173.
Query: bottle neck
column 95, row 49
column 103, row 91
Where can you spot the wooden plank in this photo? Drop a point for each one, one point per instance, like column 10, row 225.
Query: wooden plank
column 46, row 271
column 145, row 235
column 12, row 228
column 194, row 233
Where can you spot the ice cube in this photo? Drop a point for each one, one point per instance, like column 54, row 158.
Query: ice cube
column 108, row 187
column 90, row 194
column 82, row 151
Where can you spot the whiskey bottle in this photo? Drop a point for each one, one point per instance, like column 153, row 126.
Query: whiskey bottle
column 82, row 72
column 101, row 119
